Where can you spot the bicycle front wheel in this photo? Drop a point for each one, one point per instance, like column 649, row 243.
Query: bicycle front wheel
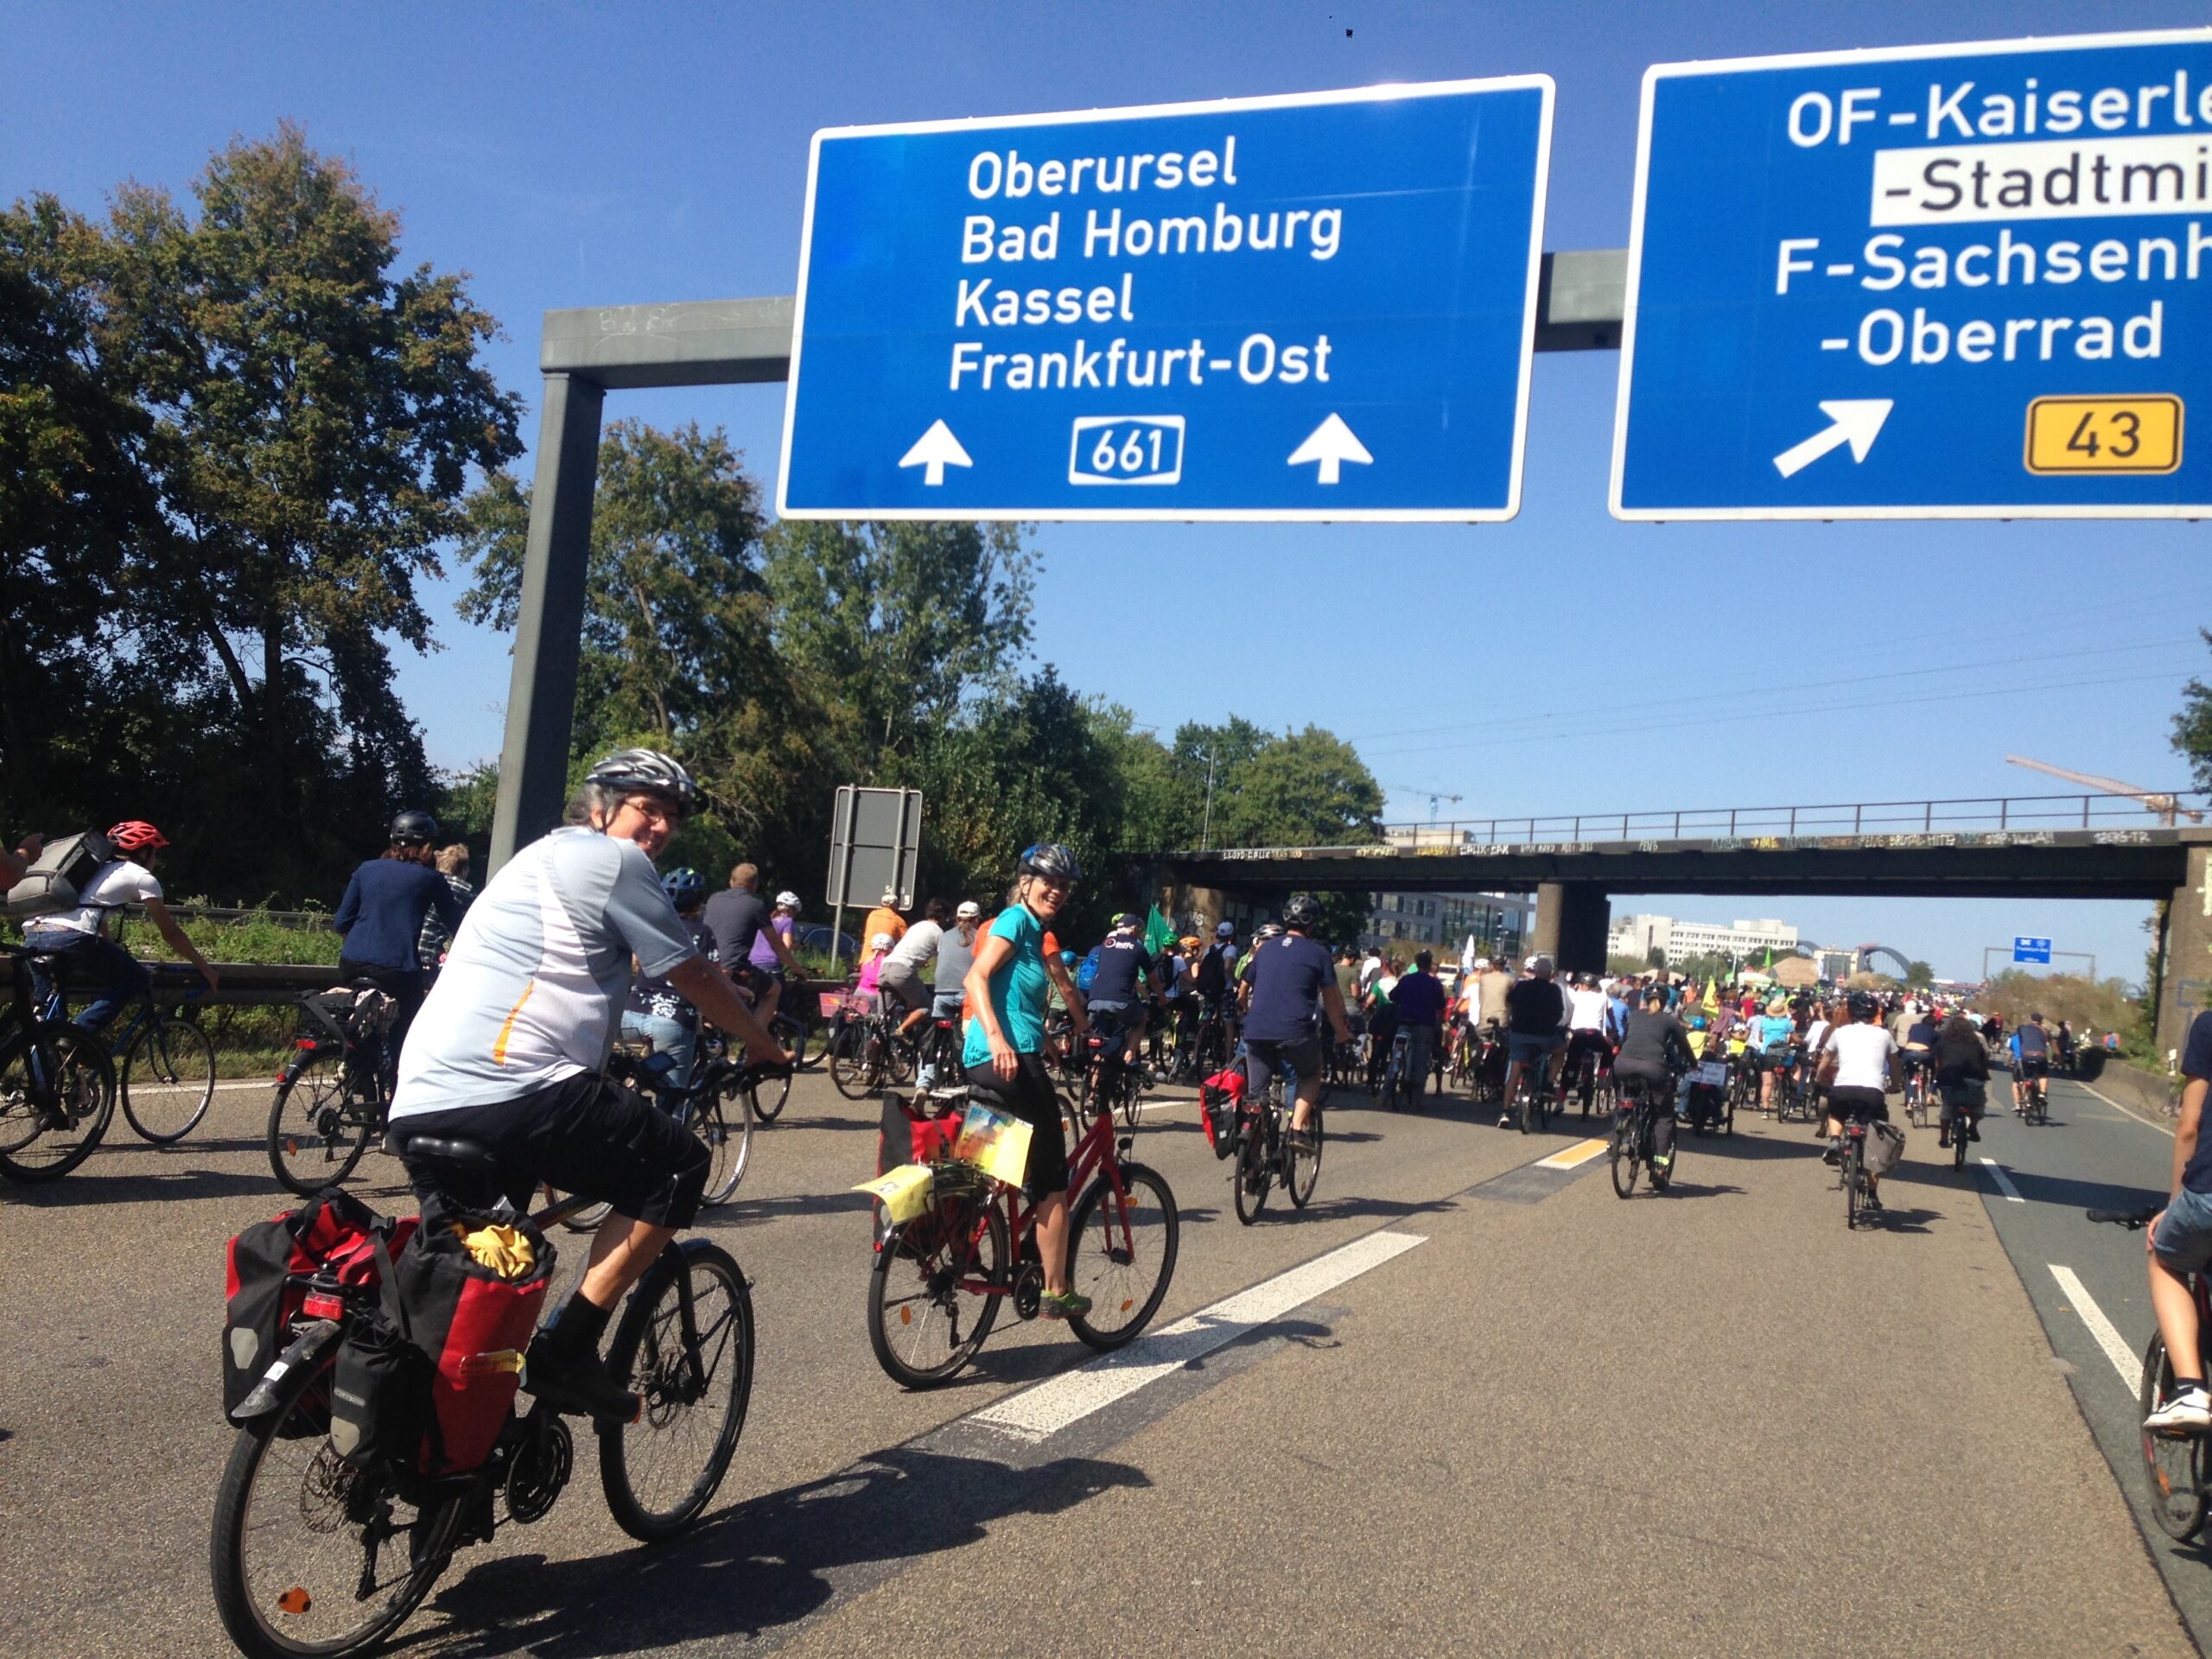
column 796, row 1040
column 925, row 1320
column 308, row 1555
column 57, row 1096
column 724, row 1124
column 685, row 1347
column 318, row 1124
column 2173, row 1467
column 168, row 1078
column 1122, row 1255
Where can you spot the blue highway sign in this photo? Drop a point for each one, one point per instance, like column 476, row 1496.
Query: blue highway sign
column 1315, row 306
column 1931, row 282
column 2031, row 950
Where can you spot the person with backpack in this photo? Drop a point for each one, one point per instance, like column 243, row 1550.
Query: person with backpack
column 90, row 958
column 1119, row 970
column 380, row 919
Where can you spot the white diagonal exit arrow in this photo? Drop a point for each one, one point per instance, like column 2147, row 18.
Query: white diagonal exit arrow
column 1855, row 421
column 934, row 451
column 1330, row 443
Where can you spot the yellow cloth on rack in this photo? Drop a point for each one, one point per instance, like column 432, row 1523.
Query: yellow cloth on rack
column 501, row 1249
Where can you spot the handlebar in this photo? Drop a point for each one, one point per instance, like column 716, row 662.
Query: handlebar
column 2134, row 1220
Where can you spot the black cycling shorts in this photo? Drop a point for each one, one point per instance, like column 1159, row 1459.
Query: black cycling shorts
column 1262, row 1059
column 1030, row 1097
column 1861, row 1105
column 583, row 1134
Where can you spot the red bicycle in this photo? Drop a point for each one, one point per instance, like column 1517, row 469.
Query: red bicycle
column 934, row 1292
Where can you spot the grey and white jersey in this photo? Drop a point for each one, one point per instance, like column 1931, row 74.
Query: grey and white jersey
column 535, row 980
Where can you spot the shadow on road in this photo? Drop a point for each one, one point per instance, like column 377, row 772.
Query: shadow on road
column 87, row 1185
column 758, row 1567
column 2074, row 1193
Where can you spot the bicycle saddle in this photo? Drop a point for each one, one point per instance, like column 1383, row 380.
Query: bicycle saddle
column 404, row 1145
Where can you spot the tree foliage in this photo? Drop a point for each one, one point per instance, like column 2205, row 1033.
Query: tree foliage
column 2192, row 726
column 283, row 425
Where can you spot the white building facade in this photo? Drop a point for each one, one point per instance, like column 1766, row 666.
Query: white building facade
column 1679, row 941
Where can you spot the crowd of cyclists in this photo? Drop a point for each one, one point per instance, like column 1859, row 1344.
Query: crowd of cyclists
column 509, row 1001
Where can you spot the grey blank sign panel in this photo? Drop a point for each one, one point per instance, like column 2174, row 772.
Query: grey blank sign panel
column 875, row 837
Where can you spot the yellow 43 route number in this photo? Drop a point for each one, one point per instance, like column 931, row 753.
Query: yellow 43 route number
column 2137, row 434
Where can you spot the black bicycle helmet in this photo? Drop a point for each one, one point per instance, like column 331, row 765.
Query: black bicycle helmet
column 1301, row 912
column 413, row 829
column 1051, row 860
column 647, row 770
column 685, row 887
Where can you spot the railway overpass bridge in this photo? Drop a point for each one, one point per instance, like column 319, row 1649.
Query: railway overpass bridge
column 2013, row 847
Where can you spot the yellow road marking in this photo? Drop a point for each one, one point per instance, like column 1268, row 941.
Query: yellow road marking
column 1575, row 1156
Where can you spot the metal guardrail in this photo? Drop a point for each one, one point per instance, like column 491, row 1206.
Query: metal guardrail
column 1840, row 818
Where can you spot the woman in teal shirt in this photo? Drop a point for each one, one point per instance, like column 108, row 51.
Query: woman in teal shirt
column 1004, row 1051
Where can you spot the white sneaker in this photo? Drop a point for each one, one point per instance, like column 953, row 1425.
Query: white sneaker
column 2189, row 1412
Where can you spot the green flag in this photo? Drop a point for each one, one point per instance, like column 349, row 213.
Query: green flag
column 1158, row 935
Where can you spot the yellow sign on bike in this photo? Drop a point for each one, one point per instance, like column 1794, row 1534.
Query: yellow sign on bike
column 995, row 1143
column 904, row 1191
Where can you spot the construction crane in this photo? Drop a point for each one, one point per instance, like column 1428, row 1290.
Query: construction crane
column 2151, row 800
column 1435, row 796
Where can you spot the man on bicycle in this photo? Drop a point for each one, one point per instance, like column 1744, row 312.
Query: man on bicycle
column 738, row 917
column 510, row 1048
column 1121, row 988
column 1588, row 1013
column 1655, row 1051
column 2180, row 1239
column 1419, row 997
column 657, row 1012
column 2032, row 1052
column 1293, row 984
column 1536, row 1020
column 80, row 937
column 1860, row 1067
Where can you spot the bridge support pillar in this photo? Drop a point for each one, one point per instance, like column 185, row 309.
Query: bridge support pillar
column 2185, row 984
column 1573, row 918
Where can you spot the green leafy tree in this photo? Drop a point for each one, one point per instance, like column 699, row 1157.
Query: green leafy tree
column 1919, row 976
column 2192, row 726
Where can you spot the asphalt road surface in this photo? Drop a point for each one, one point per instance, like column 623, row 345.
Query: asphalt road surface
column 1469, row 1402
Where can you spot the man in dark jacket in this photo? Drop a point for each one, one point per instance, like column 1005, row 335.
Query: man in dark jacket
column 381, row 916
column 1655, row 1048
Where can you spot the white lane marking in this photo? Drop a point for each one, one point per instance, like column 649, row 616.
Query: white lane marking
column 2127, row 1112
column 2108, row 1335
column 1036, row 1413
column 2004, row 1181
column 1575, row 1156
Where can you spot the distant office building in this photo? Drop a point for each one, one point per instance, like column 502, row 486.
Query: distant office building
column 1442, row 921
column 1679, row 941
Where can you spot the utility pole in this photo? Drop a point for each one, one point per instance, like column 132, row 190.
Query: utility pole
column 1205, row 833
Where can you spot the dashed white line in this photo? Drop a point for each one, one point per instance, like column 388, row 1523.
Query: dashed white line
column 2004, row 1181
column 2108, row 1335
column 1039, row 1412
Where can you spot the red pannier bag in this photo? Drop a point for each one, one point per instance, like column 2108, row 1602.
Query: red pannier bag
column 332, row 1231
column 1220, row 1098
column 475, row 1326
column 905, row 1138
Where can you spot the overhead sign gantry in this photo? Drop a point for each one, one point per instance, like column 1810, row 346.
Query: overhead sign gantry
column 1930, row 282
column 1316, row 306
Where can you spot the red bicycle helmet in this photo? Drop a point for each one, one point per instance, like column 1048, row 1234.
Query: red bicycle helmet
column 136, row 835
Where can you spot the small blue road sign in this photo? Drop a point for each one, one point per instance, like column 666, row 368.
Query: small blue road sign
column 2031, row 950
column 1931, row 282
column 1316, row 306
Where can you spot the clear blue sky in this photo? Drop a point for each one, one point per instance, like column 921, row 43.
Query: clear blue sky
column 568, row 154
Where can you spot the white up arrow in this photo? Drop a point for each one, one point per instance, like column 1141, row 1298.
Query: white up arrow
column 934, row 451
column 1332, row 443
column 1856, row 421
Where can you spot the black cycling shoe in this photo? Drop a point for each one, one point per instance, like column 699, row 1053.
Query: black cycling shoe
column 577, row 1384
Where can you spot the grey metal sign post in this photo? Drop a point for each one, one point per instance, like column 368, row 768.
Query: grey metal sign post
column 587, row 353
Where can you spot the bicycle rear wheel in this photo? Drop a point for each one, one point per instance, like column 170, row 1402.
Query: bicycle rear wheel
column 923, row 1324
column 1253, row 1175
column 2173, row 1468
column 1853, row 1179
column 1623, row 1154
column 308, row 1555
column 168, row 1080
column 724, row 1124
column 57, row 1097
column 1305, row 1166
column 855, row 1066
column 685, row 1346
column 1122, row 1255
column 318, row 1124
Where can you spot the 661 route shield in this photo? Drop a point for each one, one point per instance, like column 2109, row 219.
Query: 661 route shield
column 1318, row 307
